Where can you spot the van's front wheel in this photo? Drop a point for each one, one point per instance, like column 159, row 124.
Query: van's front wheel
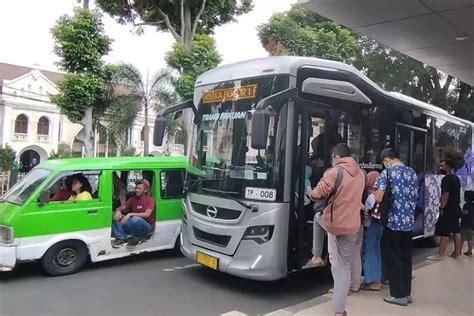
column 64, row 258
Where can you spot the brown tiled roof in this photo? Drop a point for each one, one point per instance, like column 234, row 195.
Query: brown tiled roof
column 10, row 72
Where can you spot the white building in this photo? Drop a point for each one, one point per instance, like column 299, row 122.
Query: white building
column 33, row 126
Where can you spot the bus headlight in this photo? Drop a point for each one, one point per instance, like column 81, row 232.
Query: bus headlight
column 6, row 234
column 259, row 234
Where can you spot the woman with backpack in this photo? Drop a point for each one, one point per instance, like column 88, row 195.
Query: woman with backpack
column 373, row 230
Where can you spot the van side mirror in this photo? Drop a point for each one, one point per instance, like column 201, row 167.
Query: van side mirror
column 260, row 124
column 43, row 198
column 159, row 131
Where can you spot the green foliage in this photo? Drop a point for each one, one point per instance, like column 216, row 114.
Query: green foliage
column 304, row 33
column 153, row 12
column 7, row 157
column 130, row 151
column 190, row 65
column 64, row 151
column 80, row 42
column 77, row 92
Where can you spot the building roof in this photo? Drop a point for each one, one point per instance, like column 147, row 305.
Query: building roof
column 439, row 33
column 10, row 72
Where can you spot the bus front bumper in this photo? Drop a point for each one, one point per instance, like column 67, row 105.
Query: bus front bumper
column 249, row 261
column 7, row 257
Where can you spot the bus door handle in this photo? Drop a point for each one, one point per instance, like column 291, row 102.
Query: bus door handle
column 92, row 212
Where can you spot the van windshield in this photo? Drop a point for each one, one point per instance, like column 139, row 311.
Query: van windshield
column 21, row 191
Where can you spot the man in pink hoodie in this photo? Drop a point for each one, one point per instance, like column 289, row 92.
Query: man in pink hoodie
column 341, row 218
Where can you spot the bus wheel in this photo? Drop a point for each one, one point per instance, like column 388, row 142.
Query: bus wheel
column 65, row 258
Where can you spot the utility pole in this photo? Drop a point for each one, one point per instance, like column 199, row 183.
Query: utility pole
column 146, row 128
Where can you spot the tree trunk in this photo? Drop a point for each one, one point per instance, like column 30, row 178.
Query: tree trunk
column 188, row 28
column 146, row 133
column 88, row 137
column 106, row 142
column 85, row 4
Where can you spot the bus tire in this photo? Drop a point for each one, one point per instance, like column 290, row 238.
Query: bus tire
column 66, row 257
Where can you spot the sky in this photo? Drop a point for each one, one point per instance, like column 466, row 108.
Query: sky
column 25, row 37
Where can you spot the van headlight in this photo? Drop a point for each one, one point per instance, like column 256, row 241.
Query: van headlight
column 6, row 234
column 259, row 234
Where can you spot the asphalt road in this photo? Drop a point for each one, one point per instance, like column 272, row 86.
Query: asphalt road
column 159, row 284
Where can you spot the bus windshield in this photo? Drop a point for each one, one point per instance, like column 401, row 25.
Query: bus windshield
column 20, row 192
column 222, row 133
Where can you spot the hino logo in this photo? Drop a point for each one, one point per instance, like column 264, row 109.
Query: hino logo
column 211, row 211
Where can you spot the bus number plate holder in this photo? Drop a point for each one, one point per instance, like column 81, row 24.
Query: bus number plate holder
column 207, row 260
column 260, row 194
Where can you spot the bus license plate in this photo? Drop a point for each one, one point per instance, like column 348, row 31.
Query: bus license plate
column 206, row 260
column 260, row 194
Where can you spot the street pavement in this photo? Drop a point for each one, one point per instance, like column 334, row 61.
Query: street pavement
column 158, row 284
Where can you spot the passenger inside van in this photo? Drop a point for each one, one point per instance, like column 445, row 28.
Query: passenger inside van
column 119, row 194
column 135, row 219
column 64, row 190
column 81, row 189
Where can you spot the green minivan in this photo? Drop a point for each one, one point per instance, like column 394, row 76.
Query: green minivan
column 64, row 234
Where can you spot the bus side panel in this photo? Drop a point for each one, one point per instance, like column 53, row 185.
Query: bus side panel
column 432, row 202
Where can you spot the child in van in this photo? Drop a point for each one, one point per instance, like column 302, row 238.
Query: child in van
column 467, row 221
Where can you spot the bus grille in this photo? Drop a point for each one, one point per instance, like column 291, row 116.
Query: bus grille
column 218, row 240
column 222, row 213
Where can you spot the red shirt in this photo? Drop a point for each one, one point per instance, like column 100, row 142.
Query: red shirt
column 61, row 195
column 140, row 205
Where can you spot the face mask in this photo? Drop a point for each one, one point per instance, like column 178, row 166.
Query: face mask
column 443, row 171
column 333, row 162
column 387, row 165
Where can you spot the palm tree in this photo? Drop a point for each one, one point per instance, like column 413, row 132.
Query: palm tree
column 157, row 92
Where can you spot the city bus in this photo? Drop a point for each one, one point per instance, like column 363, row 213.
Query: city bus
column 259, row 124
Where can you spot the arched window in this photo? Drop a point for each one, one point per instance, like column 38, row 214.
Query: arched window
column 142, row 135
column 43, row 126
column 21, row 124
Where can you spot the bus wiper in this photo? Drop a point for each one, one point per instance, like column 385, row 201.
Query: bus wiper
column 253, row 207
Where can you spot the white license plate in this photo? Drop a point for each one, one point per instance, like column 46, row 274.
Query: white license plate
column 260, row 194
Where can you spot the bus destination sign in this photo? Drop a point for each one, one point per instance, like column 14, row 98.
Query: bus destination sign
column 230, row 94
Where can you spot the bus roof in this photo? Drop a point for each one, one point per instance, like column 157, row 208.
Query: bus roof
column 291, row 64
column 115, row 163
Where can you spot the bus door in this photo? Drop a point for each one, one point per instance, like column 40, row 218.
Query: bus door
column 316, row 135
column 411, row 143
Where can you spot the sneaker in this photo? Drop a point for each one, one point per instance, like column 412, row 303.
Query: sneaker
column 436, row 257
column 133, row 242
column 396, row 301
column 467, row 253
column 117, row 243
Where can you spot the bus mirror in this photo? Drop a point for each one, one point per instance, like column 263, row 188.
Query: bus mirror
column 159, row 131
column 260, row 123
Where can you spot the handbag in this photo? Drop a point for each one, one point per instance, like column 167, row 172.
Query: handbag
column 386, row 203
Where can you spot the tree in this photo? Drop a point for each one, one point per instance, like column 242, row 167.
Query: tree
column 117, row 119
column 64, row 151
column 156, row 92
column 7, row 157
column 183, row 19
column 304, row 33
column 190, row 65
column 83, row 94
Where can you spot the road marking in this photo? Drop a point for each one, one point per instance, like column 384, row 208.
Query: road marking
column 188, row 266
